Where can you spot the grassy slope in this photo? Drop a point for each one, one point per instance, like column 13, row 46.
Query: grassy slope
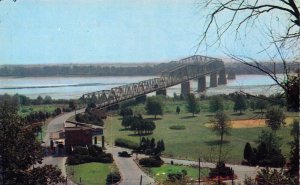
column 196, row 140
column 90, row 173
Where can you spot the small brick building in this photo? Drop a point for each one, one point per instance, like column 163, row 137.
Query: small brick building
column 80, row 134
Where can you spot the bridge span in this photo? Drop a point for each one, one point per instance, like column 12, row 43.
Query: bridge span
column 193, row 67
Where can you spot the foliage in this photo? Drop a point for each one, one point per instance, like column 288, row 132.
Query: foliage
column 93, row 153
column 179, row 176
column 221, row 170
column 192, row 104
column 293, row 168
column 267, row 153
column 272, row 176
column 239, row 103
column 138, row 124
column 126, row 143
column 113, row 178
column 221, row 126
column 150, row 148
column 177, row 127
column 154, row 106
column 20, row 150
column 177, row 109
column 275, row 118
column 248, row 152
column 216, row 104
column 126, row 112
column 261, row 103
column 90, row 117
column 151, row 161
column 56, row 112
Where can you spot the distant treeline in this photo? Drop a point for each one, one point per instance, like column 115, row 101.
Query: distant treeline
column 101, row 70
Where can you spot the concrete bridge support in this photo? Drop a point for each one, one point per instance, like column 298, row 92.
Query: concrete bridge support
column 161, row 92
column 222, row 77
column 201, row 84
column 185, row 88
column 213, row 80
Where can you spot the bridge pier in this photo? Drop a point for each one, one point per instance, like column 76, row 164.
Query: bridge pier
column 213, row 80
column 161, row 92
column 201, row 84
column 222, row 77
column 185, row 88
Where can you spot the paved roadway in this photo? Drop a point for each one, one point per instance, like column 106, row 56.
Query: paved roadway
column 55, row 125
column 130, row 172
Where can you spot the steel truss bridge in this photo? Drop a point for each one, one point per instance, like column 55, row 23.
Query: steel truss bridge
column 186, row 69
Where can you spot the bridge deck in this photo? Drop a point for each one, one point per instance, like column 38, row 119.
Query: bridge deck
column 187, row 69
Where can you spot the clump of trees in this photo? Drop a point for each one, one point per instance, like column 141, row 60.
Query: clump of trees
column 267, row 152
column 93, row 153
column 154, row 106
column 139, row 125
column 126, row 111
column 149, row 147
column 90, row 117
column 20, row 150
column 192, row 104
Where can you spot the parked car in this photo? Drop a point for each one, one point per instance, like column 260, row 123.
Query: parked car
column 124, row 154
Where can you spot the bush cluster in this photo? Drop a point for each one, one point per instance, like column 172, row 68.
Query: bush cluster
column 126, row 143
column 138, row 124
column 90, row 118
column 91, row 154
column 151, row 161
column 221, row 170
column 113, row 178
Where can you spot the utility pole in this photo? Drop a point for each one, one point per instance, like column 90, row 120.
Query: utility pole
column 199, row 172
column 141, row 180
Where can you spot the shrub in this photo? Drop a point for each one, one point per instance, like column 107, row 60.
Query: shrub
column 151, row 161
column 126, row 143
column 91, row 154
column 113, row 178
column 177, row 127
column 221, row 170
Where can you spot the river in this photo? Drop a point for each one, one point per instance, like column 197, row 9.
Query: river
column 74, row 87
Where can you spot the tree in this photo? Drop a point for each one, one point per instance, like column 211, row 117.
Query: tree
column 261, row 103
column 154, row 106
column 235, row 15
column 192, row 104
column 221, row 126
column 126, row 121
column 272, row 176
column 275, row 118
column 293, row 168
column 20, row 150
column 248, row 152
column 239, row 103
column 177, row 109
column 216, row 104
column 48, row 100
column 126, row 112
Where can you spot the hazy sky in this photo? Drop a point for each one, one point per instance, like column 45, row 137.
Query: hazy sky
column 86, row 31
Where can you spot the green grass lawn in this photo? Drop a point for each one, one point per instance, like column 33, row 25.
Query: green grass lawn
column 25, row 110
column 90, row 173
column 161, row 173
column 196, row 140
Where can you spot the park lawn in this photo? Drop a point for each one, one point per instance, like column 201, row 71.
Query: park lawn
column 90, row 173
column 197, row 140
column 27, row 109
column 161, row 173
